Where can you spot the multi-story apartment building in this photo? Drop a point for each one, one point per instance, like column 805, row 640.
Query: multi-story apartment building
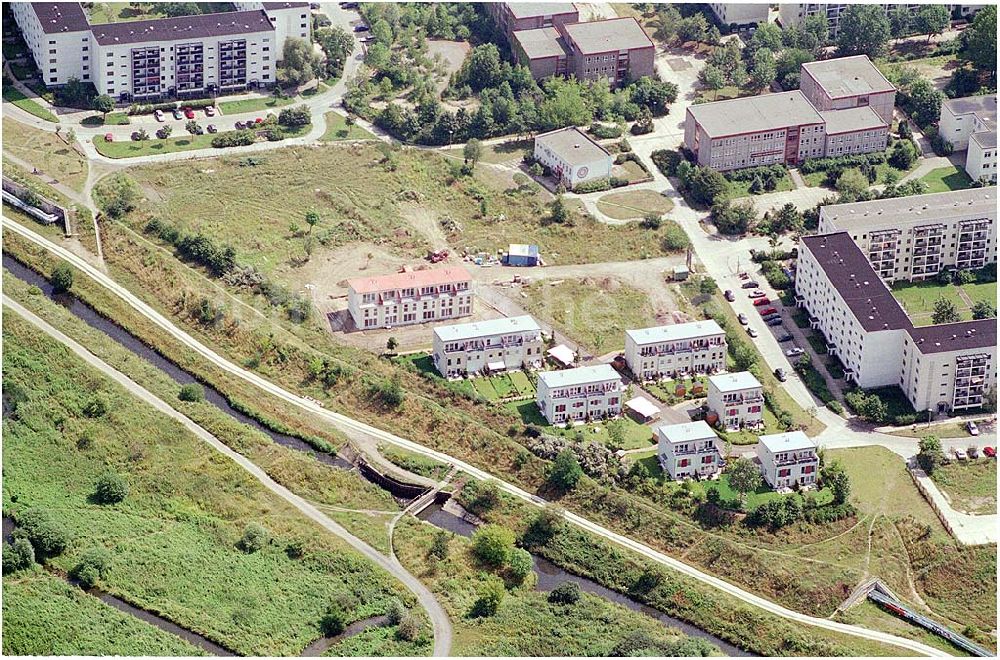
column 914, row 238
column 572, row 156
column 737, row 398
column 795, row 13
column 513, row 17
column 688, row 450
column 488, row 346
column 550, row 40
column 410, row 297
column 971, row 123
column 939, row 367
column 787, row 459
column 580, row 394
column 672, row 350
column 740, row 14
column 181, row 57
column 848, row 82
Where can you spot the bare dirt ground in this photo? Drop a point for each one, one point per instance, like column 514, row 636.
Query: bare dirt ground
column 426, row 222
column 452, row 54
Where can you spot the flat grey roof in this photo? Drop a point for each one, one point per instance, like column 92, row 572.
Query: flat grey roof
column 686, row 432
column 848, row 76
column 915, row 209
column 982, row 106
column 614, row 34
column 872, row 303
column 851, row 120
column 579, row 376
column 790, row 441
column 183, row 27
column 60, row 16
column 731, row 382
column 675, row 332
column 755, row 113
column 986, row 139
column 488, row 328
column 530, row 9
column 572, row 145
column 542, row 42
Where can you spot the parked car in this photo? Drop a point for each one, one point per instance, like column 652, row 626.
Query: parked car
column 990, row 451
column 756, row 294
column 785, row 337
column 108, row 137
column 768, row 310
column 752, row 284
column 210, row 111
column 361, row 28
column 780, row 375
column 211, row 128
column 761, row 301
column 177, row 113
column 240, row 126
column 971, row 427
column 771, row 317
column 973, row 452
column 775, row 321
column 729, row 295
column 258, row 120
column 189, row 113
column 742, row 318
column 136, row 136
column 158, row 115
column 960, row 454
column 793, row 351
column 751, row 332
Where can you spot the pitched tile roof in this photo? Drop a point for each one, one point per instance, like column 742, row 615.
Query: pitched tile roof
column 415, row 278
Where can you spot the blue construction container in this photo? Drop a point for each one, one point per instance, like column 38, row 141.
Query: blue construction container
column 522, row 255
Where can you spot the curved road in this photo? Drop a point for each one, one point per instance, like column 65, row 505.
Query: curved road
column 351, row 425
column 442, row 625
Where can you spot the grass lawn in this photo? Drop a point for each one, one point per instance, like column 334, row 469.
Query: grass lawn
column 378, row 642
column 42, row 615
column 337, row 129
column 918, row 298
column 501, row 152
column 637, row 435
column 634, row 204
column 526, row 624
column 729, row 92
column 666, row 391
column 594, row 312
column 742, row 188
column 186, row 142
column 119, row 12
column 13, row 95
column 944, row 179
column 413, row 462
column 46, row 151
column 918, row 430
column 970, row 485
column 112, row 119
column 172, row 542
column 261, row 104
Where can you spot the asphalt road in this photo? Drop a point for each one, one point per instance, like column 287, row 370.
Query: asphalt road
column 350, row 425
column 441, row 623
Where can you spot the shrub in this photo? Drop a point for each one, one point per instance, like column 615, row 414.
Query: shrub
column 605, row 131
column 47, row 536
column 255, row 537
column 92, row 566
column 389, row 392
column 62, row 278
column 395, row 612
column 440, row 547
column 96, row 407
column 409, row 628
column 300, row 115
column 762, row 172
column 17, row 556
column 491, row 594
column 333, row 620
column 493, row 544
column 651, row 221
column 667, row 160
column 233, row 139
column 835, row 406
column 840, row 163
column 594, row 185
column 521, row 564
column 110, row 488
column 566, row 470
column 566, row 593
column 617, row 182
column 930, row 455
column 191, row 392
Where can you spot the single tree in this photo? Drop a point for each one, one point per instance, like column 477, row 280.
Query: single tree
column 899, row 21
column 864, row 30
column 47, row 536
column 945, row 311
column 566, row 593
column 104, row 104
column 836, row 478
column 521, row 565
column 17, row 556
column 558, row 213
column 254, row 538
column 763, row 70
column 491, row 595
column 110, row 488
column 472, row 151
column 312, row 219
column 744, row 477
column 439, row 548
column 391, row 344
column 925, row 100
column 984, row 309
column 300, row 63
column 333, row 621
column 493, row 544
column 62, row 278
column 930, row 454
column 565, row 471
column 193, row 127
column 616, row 434
column 931, row 20
column 980, row 40
column 713, row 78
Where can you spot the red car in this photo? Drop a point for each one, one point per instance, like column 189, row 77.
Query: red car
column 189, row 113
column 258, row 120
column 990, row 451
column 769, row 310
column 761, row 301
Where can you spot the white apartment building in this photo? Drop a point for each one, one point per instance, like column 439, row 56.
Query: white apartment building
column 673, row 350
column 497, row 345
column 688, row 450
column 960, row 118
column 740, row 13
column 795, row 13
column 913, row 238
column 981, row 158
column 939, row 367
column 410, row 297
column 787, row 459
column 580, row 394
column 845, row 83
column 572, row 156
column 737, row 398
column 183, row 57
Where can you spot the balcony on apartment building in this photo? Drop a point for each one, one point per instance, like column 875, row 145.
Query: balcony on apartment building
column 749, row 397
column 610, row 388
column 490, row 345
column 700, row 448
column 676, row 349
column 796, row 458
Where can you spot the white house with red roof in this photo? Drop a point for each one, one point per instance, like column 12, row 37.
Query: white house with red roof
column 410, row 297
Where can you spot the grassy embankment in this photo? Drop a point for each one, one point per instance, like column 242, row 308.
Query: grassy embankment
column 46, row 151
column 970, row 485
column 14, row 96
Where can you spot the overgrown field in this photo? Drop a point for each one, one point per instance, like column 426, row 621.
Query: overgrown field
column 46, row 151
column 42, row 615
column 173, row 543
column 970, row 485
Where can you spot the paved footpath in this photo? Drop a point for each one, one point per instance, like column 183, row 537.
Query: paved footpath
column 441, row 623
